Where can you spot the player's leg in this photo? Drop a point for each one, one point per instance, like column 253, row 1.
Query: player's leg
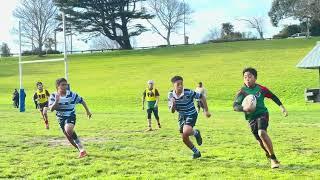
column 45, row 115
column 69, row 129
column 266, row 140
column 187, row 124
column 254, row 129
column 156, row 115
column 149, row 113
column 62, row 124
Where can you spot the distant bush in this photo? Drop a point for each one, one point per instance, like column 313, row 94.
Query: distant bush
column 281, row 36
column 31, row 53
column 231, row 40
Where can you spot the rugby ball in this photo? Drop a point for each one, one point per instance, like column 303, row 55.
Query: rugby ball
column 250, row 102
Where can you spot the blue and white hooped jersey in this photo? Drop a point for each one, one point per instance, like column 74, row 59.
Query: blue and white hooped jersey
column 185, row 102
column 67, row 104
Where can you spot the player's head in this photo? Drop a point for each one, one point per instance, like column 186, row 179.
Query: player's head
column 61, row 84
column 249, row 76
column 39, row 85
column 177, row 82
column 200, row 84
column 150, row 84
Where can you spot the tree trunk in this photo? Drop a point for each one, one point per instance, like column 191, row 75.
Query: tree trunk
column 125, row 37
column 55, row 40
column 40, row 48
column 168, row 38
column 308, row 29
column 261, row 35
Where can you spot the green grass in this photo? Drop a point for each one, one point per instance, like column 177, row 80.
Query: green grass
column 112, row 84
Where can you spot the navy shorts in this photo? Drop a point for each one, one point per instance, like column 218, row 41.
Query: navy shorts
column 187, row 120
column 66, row 120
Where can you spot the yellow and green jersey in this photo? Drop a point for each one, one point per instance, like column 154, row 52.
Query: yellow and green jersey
column 260, row 92
column 41, row 97
column 151, row 97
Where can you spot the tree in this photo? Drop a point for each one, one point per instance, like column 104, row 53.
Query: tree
column 5, row 50
column 227, row 29
column 256, row 23
column 304, row 10
column 314, row 27
column 171, row 14
column 112, row 18
column 37, row 19
column 49, row 43
column 213, row 34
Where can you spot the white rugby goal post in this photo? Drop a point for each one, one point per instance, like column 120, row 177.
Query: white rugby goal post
column 21, row 91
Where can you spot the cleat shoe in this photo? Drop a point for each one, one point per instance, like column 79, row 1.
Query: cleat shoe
column 275, row 163
column 196, row 155
column 82, row 154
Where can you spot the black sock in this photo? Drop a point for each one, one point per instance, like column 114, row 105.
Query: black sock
column 272, row 156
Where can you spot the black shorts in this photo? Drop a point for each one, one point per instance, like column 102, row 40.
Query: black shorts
column 260, row 123
column 155, row 113
column 187, row 120
column 66, row 120
column 43, row 105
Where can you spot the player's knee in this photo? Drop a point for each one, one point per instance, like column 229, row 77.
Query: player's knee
column 262, row 133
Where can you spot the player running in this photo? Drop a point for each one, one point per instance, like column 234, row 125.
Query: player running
column 258, row 119
column 40, row 99
column 63, row 102
column 182, row 101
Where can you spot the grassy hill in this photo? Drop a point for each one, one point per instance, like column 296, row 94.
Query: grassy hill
column 112, row 84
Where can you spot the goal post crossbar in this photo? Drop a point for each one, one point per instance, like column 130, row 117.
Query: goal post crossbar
column 41, row 61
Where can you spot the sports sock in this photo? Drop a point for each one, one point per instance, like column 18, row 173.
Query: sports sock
column 194, row 150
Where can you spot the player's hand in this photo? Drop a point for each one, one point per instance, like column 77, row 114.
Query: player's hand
column 207, row 114
column 284, row 111
column 57, row 98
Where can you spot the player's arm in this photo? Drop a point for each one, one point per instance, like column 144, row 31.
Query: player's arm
column 157, row 98
column 54, row 102
column 84, row 104
column 171, row 103
column 143, row 99
column 237, row 102
column 80, row 100
column 276, row 100
column 35, row 100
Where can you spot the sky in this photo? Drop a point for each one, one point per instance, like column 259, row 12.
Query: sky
column 208, row 14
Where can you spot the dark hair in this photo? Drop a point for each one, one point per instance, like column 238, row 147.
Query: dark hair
column 176, row 78
column 251, row 70
column 200, row 83
column 59, row 81
column 39, row 83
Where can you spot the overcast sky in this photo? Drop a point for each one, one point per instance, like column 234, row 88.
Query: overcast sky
column 208, row 14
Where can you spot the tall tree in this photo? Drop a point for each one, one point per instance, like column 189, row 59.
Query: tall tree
column 37, row 19
column 5, row 50
column 257, row 24
column 112, row 18
column 170, row 14
column 304, row 10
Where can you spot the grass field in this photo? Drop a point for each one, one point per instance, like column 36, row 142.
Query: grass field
column 118, row 147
